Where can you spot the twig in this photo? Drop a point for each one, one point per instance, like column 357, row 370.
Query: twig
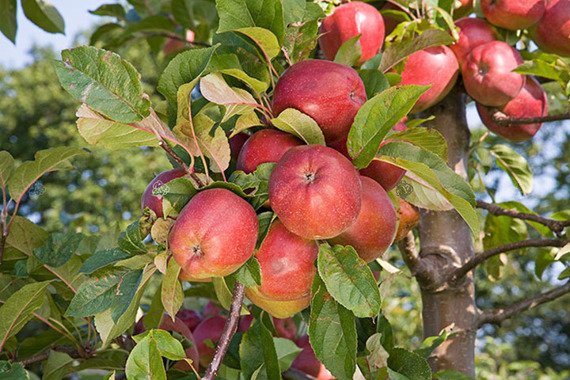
column 44, row 355
column 175, row 37
column 482, row 256
column 229, row 330
column 496, row 316
column 503, row 119
column 164, row 145
column 556, row 226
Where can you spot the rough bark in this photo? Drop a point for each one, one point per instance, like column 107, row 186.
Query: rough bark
column 446, row 243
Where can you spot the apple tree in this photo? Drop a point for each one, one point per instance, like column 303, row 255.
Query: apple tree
column 304, row 140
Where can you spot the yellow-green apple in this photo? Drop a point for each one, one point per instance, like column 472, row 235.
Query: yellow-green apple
column 552, row 32
column 435, row 66
column 328, row 92
column 315, row 191
column 462, row 8
column 409, row 217
column 214, row 235
column 350, row 20
column 513, row 14
column 154, row 202
column 207, row 334
column 308, row 363
column 472, row 33
column 278, row 309
column 236, row 143
column 530, row 102
column 267, row 145
column 488, row 73
column 374, row 230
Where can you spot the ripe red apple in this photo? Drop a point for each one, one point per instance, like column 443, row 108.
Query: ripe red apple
column 154, row 202
column 208, row 333
column 530, row 102
column 350, row 20
column 435, row 66
column 513, row 14
column 211, row 309
column 190, row 318
column 328, row 92
column 285, row 328
column 487, row 73
column 308, row 363
column 463, row 8
column 236, row 143
column 472, row 33
column 374, row 230
column 267, row 145
column 409, row 217
column 552, row 32
column 315, row 191
column 214, row 234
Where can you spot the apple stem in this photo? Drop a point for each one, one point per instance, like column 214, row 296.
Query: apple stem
column 229, row 330
column 502, row 119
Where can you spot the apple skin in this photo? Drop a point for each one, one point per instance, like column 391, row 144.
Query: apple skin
column 210, row 328
column 472, row 33
column 208, row 241
column 285, row 328
column 513, row 14
column 267, row 145
column 278, row 309
column 211, row 309
column 154, row 202
column 409, row 217
column 236, row 143
column 441, row 75
column 530, row 102
column 315, row 191
column 348, row 21
column 552, row 32
column 190, row 318
column 308, row 363
column 465, row 8
column 487, row 73
column 328, row 92
column 374, row 230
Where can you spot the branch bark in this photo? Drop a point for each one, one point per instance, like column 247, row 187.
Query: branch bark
column 229, row 330
column 557, row 226
column 497, row 316
column 503, row 119
column 479, row 258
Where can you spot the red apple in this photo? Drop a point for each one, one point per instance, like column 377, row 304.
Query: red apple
column 472, row 33
column 328, row 92
column 409, row 217
column 214, row 234
column 315, row 191
column 552, row 32
column 488, row 73
column 236, row 143
column 530, row 102
column 308, row 363
column 350, row 20
column 245, row 322
column 278, row 309
column 211, row 309
column 513, row 14
column 190, row 318
column 267, row 145
column 374, row 230
column 206, row 334
column 462, row 8
column 285, row 328
column 435, row 66
column 154, row 202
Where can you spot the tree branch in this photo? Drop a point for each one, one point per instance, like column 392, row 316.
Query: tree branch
column 44, row 355
column 496, row 316
column 482, row 256
column 229, row 330
column 503, row 119
column 164, row 145
column 557, row 226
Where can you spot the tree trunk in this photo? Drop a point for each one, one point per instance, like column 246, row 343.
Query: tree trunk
column 445, row 243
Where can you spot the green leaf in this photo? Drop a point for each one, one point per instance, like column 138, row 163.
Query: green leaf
column 286, row 351
column 112, row 10
column 144, row 361
column 257, row 353
column 265, row 219
column 301, row 37
column 6, row 168
column 378, row 356
column 105, row 82
column 374, row 81
column 349, row 52
column 426, row 138
column 264, row 39
column 58, row 249
column 25, row 236
column 239, row 14
column 409, row 364
column 44, row 15
column 98, row 130
column 449, row 374
column 435, row 173
column 95, row 295
column 8, row 20
column 172, row 295
column 19, row 309
column 540, row 68
column 297, row 123
column 103, row 258
column 56, row 366
column 515, row 166
column 375, row 119
column 223, row 293
column 258, row 182
column 431, row 343
column 13, row 371
column 46, row 161
column 132, row 239
column 126, row 290
column 177, row 192
column 250, row 273
column 332, row 333
column 396, row 52
column 349, row 280
column 229, row 64
column 215, row 89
